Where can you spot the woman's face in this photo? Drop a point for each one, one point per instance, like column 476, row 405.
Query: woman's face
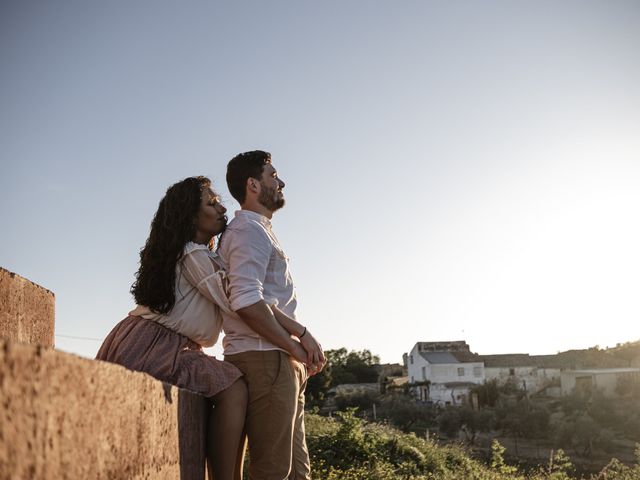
column 211, row 217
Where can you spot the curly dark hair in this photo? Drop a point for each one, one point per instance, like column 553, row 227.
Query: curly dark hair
column 242, row 167
column 173, row 225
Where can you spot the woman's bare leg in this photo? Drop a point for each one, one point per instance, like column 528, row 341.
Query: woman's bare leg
column 242, row 448
column 226, row 431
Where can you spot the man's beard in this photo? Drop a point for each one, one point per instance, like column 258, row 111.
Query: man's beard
column 270, row 199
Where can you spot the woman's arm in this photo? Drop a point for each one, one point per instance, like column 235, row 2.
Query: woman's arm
column 315, row 356
column 201, row 272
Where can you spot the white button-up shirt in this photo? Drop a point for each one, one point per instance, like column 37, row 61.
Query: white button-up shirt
column 257, row 269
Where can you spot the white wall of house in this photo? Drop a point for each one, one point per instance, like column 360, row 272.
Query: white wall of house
column 443, row 395
column 531, row 378
column 605, row 380
column 415, row 363
column 472, row 372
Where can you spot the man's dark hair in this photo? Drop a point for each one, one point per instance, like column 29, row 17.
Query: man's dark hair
column 242, row 167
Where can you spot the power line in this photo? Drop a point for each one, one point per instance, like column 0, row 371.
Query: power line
column 79, row 338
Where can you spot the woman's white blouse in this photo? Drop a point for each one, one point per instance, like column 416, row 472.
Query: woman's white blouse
column 200, row 296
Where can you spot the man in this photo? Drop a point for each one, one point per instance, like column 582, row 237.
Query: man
column 259, row 340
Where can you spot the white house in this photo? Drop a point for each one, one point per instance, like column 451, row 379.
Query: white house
column 444, row 372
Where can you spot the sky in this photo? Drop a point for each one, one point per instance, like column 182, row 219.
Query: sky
column 455, row 170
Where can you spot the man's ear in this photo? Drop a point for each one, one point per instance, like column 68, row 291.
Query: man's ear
column 253, row 185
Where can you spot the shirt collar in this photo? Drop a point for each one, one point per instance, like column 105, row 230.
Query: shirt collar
column 254, row 216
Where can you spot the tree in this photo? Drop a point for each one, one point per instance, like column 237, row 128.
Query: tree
column 406, row 414
column 488, row 393
column 583, row 434
column 352, row 367
column 473, row 422
column 362, row 401
column 317, row 386
column 342, row 367
column 450, row 422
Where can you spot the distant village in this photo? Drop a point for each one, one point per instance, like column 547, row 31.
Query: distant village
column 445, row 373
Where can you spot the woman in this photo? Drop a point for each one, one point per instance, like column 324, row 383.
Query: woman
column 179, row 292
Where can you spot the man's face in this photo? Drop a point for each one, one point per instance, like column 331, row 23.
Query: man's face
column 271, row 186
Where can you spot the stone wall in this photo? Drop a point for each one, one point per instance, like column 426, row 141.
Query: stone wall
column 65, row 417
column 27, row 310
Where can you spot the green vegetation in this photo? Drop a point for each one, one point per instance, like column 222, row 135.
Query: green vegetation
column 415, row 440
column 349, row 448
column 342, row 367
column 582, row 424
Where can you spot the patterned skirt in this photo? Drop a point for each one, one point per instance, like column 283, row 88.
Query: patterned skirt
column 146, row 346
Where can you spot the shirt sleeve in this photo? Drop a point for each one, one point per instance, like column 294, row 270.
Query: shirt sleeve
column 248, row 254
column 199, row 271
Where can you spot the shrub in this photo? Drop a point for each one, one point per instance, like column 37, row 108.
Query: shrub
column 406, row 414
column 359, row 400
column 497, row 459
column 348, row 448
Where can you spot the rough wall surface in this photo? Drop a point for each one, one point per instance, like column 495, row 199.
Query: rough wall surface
column 27, row 310
column 66, row 417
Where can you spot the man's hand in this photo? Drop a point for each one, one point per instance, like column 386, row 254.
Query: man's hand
column 260, row 319
column 300, row 355
column 315, row 358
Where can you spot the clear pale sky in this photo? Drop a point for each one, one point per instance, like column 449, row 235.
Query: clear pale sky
column 455, row 170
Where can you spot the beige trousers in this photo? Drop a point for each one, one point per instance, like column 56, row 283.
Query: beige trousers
column 275, row 415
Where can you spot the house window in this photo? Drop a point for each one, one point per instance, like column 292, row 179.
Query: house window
column 424, row 373
column 512, row 371
column 411, row 359
column 461, row 371
column 477, row 371
column 412, row 381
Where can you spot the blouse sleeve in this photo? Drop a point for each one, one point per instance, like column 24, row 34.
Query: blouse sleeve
column 199, row 271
